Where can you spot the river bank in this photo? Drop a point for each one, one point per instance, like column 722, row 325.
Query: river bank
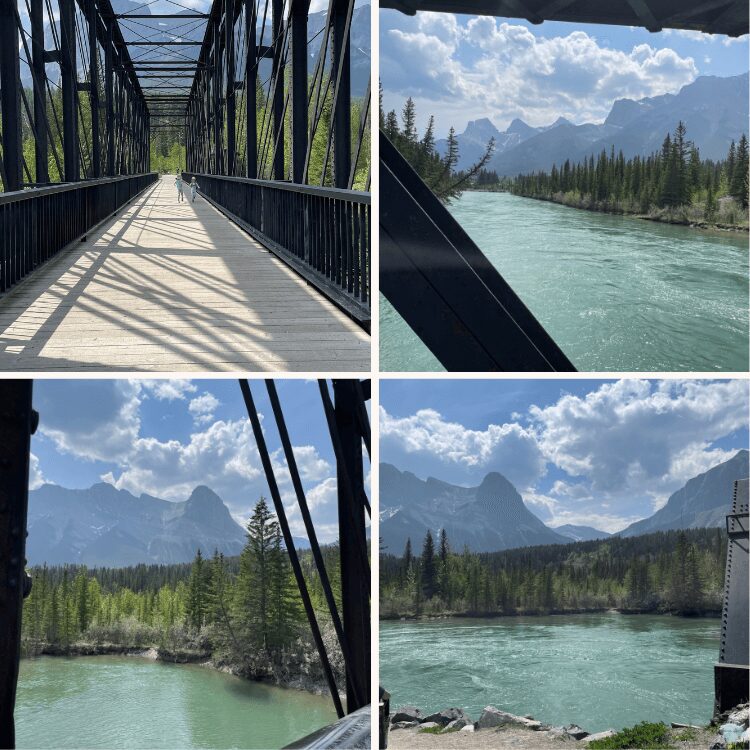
column 203, row 658
column 404, row 616
column 735, row 219
column 453, row 729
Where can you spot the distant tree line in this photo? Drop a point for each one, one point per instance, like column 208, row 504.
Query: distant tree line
column 243, row 611
column 680, row 572
column 673, row 177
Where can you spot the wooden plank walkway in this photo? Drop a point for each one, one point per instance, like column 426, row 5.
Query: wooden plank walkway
column 169, row 286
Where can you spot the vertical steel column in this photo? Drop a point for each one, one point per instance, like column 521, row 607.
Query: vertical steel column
column 278, row 93
column 109, row 98
column 342, row 135
column 352, row 542
column 69, row 76
column 10, row 96
column 299, row 12
column 17, row 423
column 230, row 85
column 41, row 143
column 96, row 151
column 251, row 93
column 218, row 120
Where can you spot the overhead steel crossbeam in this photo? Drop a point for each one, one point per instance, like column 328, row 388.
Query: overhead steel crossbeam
column 95, row 108
column 728, row 17
column 348, row 432
column 433, row 274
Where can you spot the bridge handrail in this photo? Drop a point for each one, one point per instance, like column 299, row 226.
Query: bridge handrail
column 353, row 196
column 322, row 233
column 62, row 187
column 37, row 224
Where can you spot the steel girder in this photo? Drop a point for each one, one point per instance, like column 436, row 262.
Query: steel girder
column 95, row 65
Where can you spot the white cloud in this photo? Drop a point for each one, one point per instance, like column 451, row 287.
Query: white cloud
column 36, row 479
column 168, row 390
column 509, row 448
column 491, row 68
column 203, row 407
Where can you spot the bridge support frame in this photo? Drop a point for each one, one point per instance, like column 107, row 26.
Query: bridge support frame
column 10, row 97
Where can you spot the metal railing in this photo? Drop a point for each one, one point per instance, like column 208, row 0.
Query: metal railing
column 37, row 224
column 322, row 233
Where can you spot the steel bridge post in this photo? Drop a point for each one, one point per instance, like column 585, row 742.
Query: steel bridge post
column 299, row 13
column 352, row 541
column 251, row 97
column 230, row 85
column 109, row 98
column 277, row 21
column 41, row 143
column 216, row 97
column 342, row 135
column 68, row 74
column 17, row 424
column 96, row 153
column 10, row 96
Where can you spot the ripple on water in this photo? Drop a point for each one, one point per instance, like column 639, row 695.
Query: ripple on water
column 676, row 298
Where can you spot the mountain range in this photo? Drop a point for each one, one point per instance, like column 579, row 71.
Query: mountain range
column 702, row 503
column 714, row 109
column 493, row 516
column 104, row 526
column 179, row 29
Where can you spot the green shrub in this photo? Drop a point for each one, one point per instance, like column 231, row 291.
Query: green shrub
column 643, row 736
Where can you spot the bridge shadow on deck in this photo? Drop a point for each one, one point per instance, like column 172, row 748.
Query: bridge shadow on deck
column 171, row 286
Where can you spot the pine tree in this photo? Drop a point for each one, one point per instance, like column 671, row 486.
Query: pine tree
column 198, row 599
column 739, row 182
column 429, row 572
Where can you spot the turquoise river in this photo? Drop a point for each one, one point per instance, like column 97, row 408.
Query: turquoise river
column 132, row 702
column 599, row 671
column 617, row 293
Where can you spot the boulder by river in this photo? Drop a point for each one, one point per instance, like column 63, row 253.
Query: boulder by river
column 452, row 728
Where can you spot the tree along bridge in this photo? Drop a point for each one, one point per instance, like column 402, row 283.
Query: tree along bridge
column 102, row 268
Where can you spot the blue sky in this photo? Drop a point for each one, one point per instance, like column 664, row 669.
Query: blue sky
column 461, row 68
column 602, row 453
column 164, row 437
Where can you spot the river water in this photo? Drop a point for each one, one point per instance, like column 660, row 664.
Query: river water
column 616, row 293
column 599, row 671
column 131, row 702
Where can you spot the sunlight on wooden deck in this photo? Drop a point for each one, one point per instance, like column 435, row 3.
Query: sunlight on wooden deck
column 170, row 286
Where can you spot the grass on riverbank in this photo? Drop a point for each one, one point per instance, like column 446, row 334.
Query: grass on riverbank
column 728, row 216
column 643, row 735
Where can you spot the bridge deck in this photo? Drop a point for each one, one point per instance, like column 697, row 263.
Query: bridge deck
column 171, row 286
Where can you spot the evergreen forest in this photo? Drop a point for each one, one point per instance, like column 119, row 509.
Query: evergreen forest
column 674, row 185
column 243, row 613
column 676, row 572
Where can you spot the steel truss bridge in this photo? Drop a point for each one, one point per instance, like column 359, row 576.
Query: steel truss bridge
column 275, row 128
column 431, row 271
column 349, row 431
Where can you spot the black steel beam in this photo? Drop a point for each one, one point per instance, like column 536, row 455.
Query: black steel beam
column 231, row 87
column 218, row 120
column 355, row 596
column 68, row 74
column 109, row 98
column 251, row 77
column 159, row 44
column 178, row 16
column 10, row 96
column 17, row 423
column 444, row 287
column 277, row 105
column 96, row 154
column 341, row 72
column 299, row 13
column 41, row 142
